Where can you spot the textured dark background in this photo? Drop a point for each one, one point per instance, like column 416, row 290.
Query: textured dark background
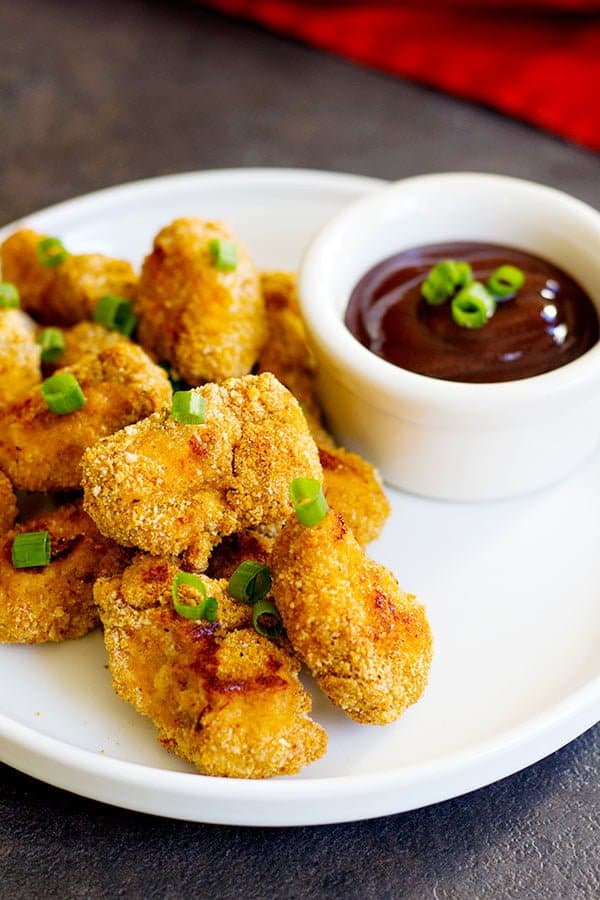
column 96, row 93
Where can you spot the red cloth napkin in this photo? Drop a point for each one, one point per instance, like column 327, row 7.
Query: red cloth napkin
column 538, row 60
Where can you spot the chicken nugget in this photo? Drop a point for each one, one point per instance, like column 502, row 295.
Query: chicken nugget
column 206, row 319
column 353, row 488
column 8, row 504
column 367, row 643
column 66, row 293
column 41, row 450
column 19, row 356
column 83, row 339
column 236, row 549
column 222, row 696
column 171, row 488
column 55, row 602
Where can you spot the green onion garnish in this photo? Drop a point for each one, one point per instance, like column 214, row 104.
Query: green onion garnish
column 267, row 629
column 188, row 407
column 51, row 252
column 473, row 306
column 32, row 548
column 308, row 500
column 62, row 393
column 444, row 279
column 224, row 254
column 115, row 314
column 505, row 280
column 9, row 295
column 52, row 342
column 250, row 582
column 207, row 609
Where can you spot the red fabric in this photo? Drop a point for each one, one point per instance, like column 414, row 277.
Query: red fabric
column 538, row 60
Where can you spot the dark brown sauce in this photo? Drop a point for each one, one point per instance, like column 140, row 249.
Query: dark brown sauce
column 548, row 323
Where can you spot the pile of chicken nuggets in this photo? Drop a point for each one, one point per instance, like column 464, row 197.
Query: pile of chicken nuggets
column 131, row 495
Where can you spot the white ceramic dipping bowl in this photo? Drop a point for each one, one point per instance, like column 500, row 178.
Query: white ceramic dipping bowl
column 445, row 439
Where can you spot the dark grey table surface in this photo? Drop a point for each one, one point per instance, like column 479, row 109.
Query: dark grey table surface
column 97, row 93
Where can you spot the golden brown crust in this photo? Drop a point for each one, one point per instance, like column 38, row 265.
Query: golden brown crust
column 353, row 488
column 170, row 488
column 367, row 643
column 8, row 504
column 83, row 339
column 236, row 549
column 19, row 356
column 208, row 324
column 67, row 293
column 41, row 451
column 55, row 602
column 221, row 696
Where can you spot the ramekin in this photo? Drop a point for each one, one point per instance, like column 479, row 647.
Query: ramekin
column 444, row 439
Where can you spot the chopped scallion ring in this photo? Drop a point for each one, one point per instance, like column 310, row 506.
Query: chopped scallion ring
column 30, row 549
column 51, row 252
column 206, row 609
column 224, row 254
column 271, row 629
column 250, row 582
column 115, row 313
column 211, row 609
column 9, row 295
column 62, row 393
column 188, row 407
column 308, row 500
column 473, row 306
column 444, row 279
column 505, row 281
column 52, row 342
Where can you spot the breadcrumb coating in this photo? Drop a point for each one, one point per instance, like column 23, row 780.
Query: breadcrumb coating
column 69, row 292
column 8, row 504
column 207, row 323
column 82, row 339
column 55, row 602
column 222, row 696
column 19, row 356
column 367, row 643
column 41, row 451
column 170, row 488
column 236, row 549
column 353, row 488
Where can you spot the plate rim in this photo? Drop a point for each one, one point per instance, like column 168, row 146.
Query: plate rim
column 472, row 767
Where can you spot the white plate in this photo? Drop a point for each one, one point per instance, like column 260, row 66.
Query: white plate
column 511, row 589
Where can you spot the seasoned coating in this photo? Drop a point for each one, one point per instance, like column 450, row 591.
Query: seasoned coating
column 367, row 643
column 82, row 339
column 236, row 549
column 41, row 451
column 170, row 488
column 55, row 602
column 286, row 352
column 221, row 696
column 68, row 292
column 19, row 356
column 353, row 488
column 208, row 324
column 8, row 504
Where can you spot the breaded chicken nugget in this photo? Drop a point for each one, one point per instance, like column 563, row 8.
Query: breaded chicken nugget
column 206, row 321
column 236, row 549
column 19, row 356
column 66, row 293
column 55, row 602
column 222, row 696
column 286, row 352
column 82, row 339
column 8, row 504
column 41, row 451
column 353, row 488
column 170, row 488
column 367, row 643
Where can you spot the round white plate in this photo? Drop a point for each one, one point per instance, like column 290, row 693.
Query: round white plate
column 511, row 589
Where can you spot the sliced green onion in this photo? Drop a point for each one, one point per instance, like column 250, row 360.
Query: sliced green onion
column 115, row 313
column 473, row 306
column 51, row 252
column 505, row 280
column 206, row 609
column 9, row 295
column 250, row 582
column 32, row 548
column 62, row 393
column 52, row 342
column 267, row 629
column 444, row 279
column 188, row 407
column 224, row 254
column 308, row 500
